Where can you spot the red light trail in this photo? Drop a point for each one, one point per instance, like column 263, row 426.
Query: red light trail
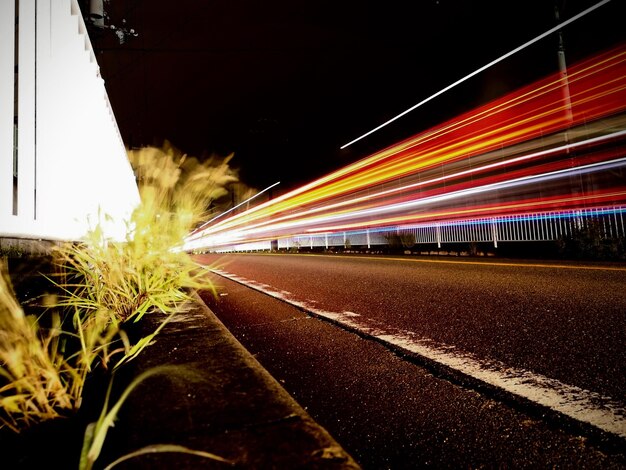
column 527, row 152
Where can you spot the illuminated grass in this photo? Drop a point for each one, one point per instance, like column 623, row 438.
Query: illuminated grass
column 37, row 382
column 104, row 286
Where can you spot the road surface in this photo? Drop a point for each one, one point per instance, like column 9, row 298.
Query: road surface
column 549, row 335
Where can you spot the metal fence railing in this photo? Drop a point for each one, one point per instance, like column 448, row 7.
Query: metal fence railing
column 608, row 222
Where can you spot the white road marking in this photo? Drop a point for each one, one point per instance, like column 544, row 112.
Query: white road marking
column 589, row 407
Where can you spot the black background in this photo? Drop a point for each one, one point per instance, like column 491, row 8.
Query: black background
column 283, row 84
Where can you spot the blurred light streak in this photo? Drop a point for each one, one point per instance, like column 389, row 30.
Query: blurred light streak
column 517, row 154
column 481, row 69
column 238, row 205
column 326, row 208
column 388, row 209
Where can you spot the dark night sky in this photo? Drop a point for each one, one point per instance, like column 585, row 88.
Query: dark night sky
column 283, row 84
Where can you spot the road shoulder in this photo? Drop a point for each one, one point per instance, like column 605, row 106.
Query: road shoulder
column 219, row 399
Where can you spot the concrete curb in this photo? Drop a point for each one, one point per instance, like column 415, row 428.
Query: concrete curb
column 218, row 399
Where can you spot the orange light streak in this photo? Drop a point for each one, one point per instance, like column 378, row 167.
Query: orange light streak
column 490, row 135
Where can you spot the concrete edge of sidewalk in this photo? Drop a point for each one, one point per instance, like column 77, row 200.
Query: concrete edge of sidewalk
column 219, row 399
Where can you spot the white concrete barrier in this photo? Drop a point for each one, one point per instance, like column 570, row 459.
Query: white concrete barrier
column 62, row 160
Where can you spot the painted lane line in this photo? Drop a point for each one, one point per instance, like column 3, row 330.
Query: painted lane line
column 600, row 411
column 437, row 261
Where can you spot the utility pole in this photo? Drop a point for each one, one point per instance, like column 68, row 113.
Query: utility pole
column 567, row 103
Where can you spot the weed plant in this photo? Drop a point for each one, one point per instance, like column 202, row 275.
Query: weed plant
column 108, row 285
column 37, row 381
column 105, row 286
column 590, row 241
column 96, row 432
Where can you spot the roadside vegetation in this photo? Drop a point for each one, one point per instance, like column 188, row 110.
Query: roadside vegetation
column 84, row 322
column 590, row 242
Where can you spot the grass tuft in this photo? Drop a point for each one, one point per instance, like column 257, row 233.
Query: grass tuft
column 36, row 380
column 103, row 288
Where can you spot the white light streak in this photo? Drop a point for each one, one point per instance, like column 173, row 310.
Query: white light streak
column 238, row 205
column 282, row 221
column 620, row 162
column 481, row 69
column 264, row 228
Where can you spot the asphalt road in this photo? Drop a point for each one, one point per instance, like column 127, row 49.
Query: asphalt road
column 563, row 323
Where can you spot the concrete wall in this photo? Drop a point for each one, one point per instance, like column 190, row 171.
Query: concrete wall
column 62, row 161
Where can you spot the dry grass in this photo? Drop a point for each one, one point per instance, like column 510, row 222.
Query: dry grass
column 104, row 287
column 37, row 381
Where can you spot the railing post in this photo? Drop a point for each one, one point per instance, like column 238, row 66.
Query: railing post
column 494, row 232
column 438, row 229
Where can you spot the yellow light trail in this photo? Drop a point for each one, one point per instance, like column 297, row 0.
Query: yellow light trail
column 597, row 90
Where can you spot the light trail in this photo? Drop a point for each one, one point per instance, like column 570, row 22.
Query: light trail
column 372, row 209
column 304, row 216
column 481, row 69
column 238, row 205
column 395, row 162
column 520, row 153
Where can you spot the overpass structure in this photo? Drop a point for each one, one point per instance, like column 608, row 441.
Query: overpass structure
column 537, row 164
column 63, row 164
